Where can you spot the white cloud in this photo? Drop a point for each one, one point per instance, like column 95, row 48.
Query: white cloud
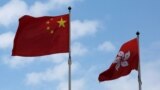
column 19, row 62
column 10, row 12
column 56, row 73
column 106, row 46
column 83, row 28
column 6, row 40
column 59, row 73
column 125, row 83
column 38, row 9
column 14, row 9
column 78, row 49
column 55, row 58
column 151, row 75
column 16, row 62
column 76, row 85
column 41, row 8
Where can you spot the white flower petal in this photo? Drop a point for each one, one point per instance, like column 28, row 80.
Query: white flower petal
column 121, row 54
column 127, row 55
column 117, row 60
column 124, row 63
column 117, row 66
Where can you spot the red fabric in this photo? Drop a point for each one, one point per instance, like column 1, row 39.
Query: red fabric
column 37, row 36
column 127, row 59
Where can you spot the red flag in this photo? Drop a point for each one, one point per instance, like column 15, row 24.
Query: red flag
column 127, row 59
column 42, row 35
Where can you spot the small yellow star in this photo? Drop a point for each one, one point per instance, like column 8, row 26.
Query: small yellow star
column 48, row 28
column 61, row 22
column 51, row 19
column 47, row 22
column 52, row 32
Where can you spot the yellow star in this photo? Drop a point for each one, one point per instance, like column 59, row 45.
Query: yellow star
column 51, row 19
column 48, row 28
column 52, row 31
column 47, row 22
column 61, row 22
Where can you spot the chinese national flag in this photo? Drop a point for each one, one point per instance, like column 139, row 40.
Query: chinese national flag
column 37, row 36
column 127, row 59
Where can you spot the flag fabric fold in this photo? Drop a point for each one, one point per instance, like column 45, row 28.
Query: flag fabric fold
column 126, row 60
column 38, row 36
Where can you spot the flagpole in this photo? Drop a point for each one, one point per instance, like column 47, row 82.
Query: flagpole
column 69, row 58
column 139, row 65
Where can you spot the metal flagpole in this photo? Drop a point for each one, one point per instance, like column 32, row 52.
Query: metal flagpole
column 69, row 59
column 139, row 65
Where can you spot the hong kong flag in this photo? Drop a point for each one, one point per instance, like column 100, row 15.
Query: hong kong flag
column 126, row 60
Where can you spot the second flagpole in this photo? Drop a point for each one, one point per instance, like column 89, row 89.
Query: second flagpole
column 69, row 59
column 139, row 65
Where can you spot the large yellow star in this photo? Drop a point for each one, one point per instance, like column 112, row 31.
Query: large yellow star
column 61, row 22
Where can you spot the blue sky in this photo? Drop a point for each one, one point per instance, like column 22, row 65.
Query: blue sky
column 98, row 29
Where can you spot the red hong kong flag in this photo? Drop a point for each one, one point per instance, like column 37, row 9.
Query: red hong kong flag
column 127, row 59
column 37, row 36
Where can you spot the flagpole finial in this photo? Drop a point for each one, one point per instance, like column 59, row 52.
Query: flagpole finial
column 69, row 8
column 137, row 33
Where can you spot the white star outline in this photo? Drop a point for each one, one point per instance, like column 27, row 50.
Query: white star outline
column 121, row 59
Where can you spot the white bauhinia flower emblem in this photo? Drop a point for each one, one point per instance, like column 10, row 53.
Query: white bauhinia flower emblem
column 121, row 59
